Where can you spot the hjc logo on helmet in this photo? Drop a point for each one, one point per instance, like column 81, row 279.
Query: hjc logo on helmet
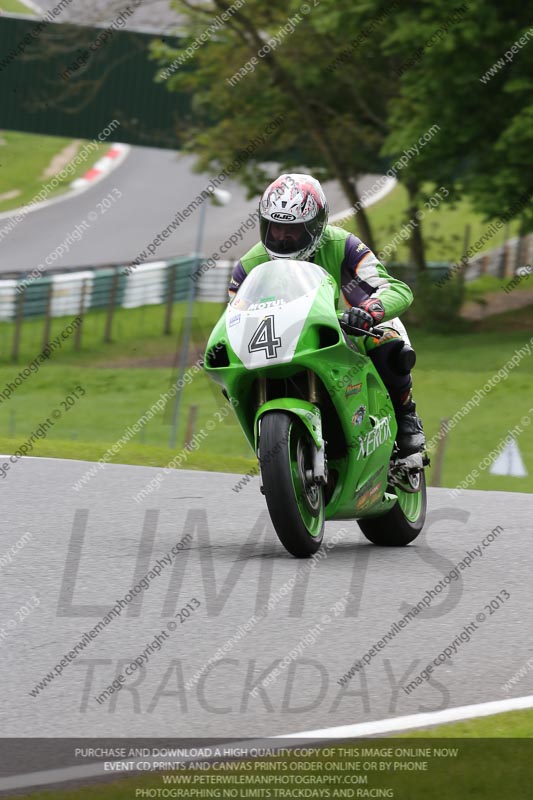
column 281, row 215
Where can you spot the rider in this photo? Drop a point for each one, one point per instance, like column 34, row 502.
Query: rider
column 293, row 215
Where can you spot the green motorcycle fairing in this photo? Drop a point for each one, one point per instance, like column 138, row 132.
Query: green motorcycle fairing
column 278, row 346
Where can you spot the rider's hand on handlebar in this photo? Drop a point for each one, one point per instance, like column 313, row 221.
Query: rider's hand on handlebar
column 374, row 307
column 357, row 318
column 369, row 313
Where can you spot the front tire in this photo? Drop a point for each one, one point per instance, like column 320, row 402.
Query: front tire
column 295, row 504
column 402, row 524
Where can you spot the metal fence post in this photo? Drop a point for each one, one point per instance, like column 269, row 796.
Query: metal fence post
column 48, row 315
column 167, row 327
column 184, row 352
column 18, row 324
column 81, row 312
column 191, row 422
column 111, row 307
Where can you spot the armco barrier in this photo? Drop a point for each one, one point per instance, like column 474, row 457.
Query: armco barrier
column 72, row 292
column 59, row 294
column 213, row 284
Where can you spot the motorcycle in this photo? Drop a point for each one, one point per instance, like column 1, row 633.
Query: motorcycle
column 314, row 410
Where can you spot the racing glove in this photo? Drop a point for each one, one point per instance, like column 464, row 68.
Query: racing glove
column 366, row 315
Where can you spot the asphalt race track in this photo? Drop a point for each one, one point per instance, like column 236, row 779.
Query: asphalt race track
column 88, row 548
column 154, row 185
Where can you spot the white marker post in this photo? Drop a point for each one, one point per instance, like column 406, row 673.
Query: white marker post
column 509, row 462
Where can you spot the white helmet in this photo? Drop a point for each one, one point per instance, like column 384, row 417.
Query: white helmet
column 293, row 213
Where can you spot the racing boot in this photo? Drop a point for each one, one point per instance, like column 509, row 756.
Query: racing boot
column 410, row 437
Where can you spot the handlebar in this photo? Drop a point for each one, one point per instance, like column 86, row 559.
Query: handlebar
column 376, row 332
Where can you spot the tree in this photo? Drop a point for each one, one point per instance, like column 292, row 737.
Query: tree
column 332, row 91
column 467, row 79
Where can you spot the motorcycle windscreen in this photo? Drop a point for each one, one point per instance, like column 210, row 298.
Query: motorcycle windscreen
column 266, row 317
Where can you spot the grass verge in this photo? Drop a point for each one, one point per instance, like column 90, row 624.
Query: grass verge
column 15, row 6
column 449, row 372
column 443, row 227
column 137, row 336
column 25, row 156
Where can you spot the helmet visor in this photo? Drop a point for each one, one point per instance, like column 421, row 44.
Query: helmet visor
column 284, row 238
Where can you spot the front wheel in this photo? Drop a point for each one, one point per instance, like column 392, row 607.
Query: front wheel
column 295, row 502
column 402, row 524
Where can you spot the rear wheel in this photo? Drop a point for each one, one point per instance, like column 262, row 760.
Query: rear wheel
column 295, row 502
column 402, row 524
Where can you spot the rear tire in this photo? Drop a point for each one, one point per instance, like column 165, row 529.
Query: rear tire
column 296, row 506
column 402, row 524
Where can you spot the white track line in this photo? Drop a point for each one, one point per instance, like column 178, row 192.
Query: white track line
column 33, row 6
column 375, row 198
column 391, row 725
column 416, row 720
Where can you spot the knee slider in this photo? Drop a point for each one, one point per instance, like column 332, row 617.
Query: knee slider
column 393, row 359
column 403, row 359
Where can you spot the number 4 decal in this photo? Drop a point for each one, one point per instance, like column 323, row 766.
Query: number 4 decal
column 265, row 339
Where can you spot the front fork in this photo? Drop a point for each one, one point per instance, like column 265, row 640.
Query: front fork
column 308, row 412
